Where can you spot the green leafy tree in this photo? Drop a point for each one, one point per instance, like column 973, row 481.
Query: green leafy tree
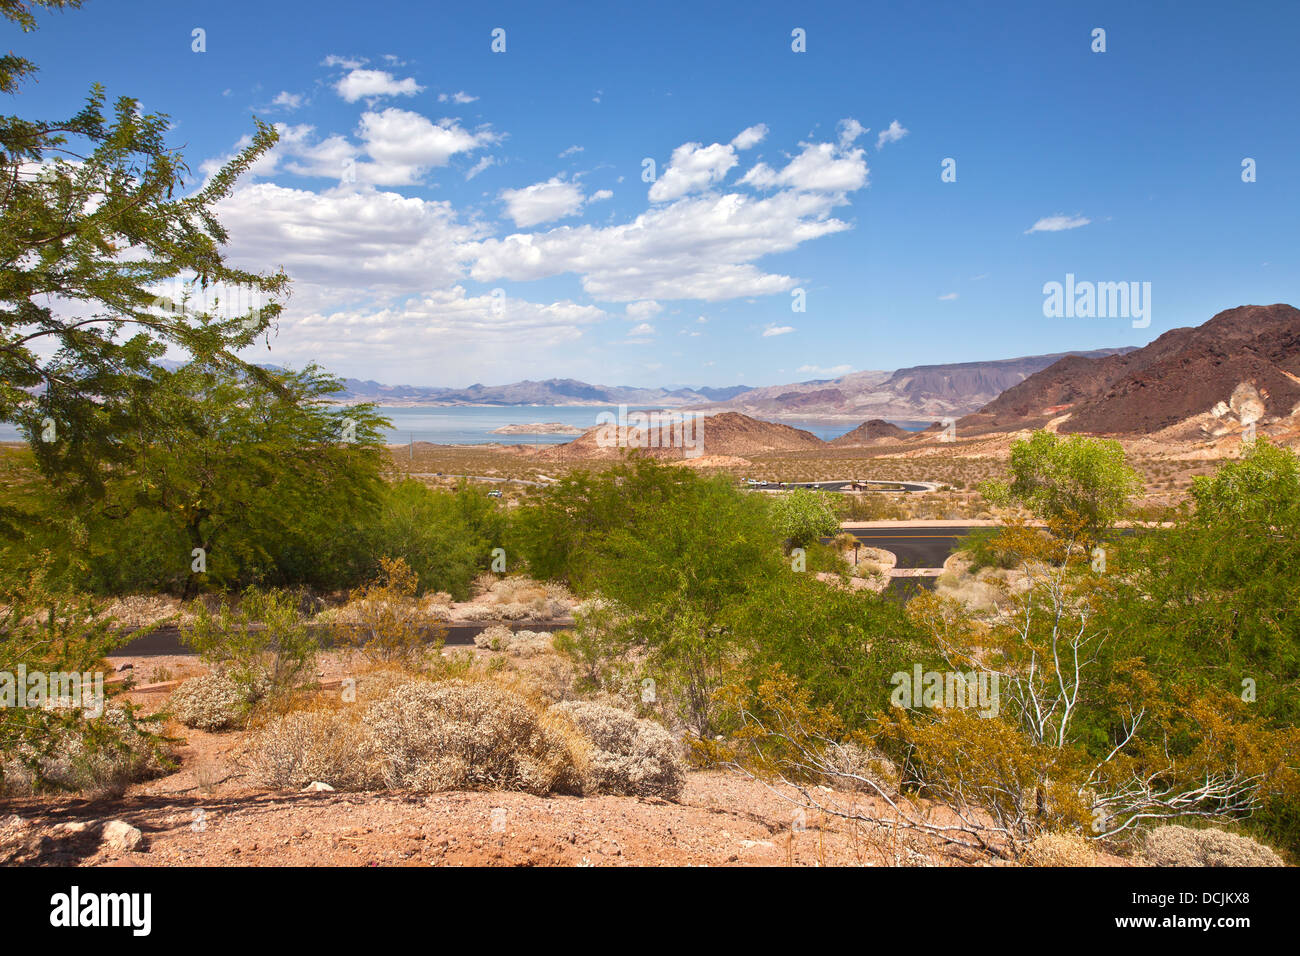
column 445, row 537
column 1081, row 484
column 802, row 517
column 109, row 255
column 257, row 478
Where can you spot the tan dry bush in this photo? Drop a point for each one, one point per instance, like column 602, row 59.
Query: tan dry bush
column 629, row 756
column 1060, row 849
column 1183, row 846
column 529, row 643
column 140, row 610
column 472, row 735
column 214, row 701
column 495, row 638
column 856, row 768
column 331, row 745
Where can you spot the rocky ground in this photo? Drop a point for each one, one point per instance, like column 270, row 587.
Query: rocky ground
column 194, row 820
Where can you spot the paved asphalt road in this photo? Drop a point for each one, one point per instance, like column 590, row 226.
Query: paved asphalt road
column 846, row 485
column 167, row 640
column 915, row 547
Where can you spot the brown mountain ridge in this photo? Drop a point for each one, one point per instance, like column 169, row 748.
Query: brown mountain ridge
column 1244, row 360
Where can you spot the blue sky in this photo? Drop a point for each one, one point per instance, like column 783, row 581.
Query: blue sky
column 419, row 171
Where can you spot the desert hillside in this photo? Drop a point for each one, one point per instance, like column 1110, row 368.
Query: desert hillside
column 869, row 433
column 728, row 433
column 1240, row 367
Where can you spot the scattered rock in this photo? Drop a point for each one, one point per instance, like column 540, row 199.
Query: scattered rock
column 120, row 835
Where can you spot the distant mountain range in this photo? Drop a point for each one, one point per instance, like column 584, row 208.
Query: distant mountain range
column 922, row 393
column 553, row 391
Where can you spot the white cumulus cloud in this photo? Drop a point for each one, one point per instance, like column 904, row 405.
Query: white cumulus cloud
column 359, row 84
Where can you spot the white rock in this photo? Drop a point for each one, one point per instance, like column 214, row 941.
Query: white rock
column 317, row 787
column 120, row 835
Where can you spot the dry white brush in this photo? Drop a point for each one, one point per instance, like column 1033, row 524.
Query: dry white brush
column 406, row 733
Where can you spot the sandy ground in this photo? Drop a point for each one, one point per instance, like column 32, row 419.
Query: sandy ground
column 207, row 814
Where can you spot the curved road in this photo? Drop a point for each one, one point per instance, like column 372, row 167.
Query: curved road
column 915, row 547
column 846, row 485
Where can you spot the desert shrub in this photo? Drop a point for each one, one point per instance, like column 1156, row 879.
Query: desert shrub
column 495, row 638
column 216, row 701
column 319, row 744
column 1184, row 846
column 471, row 735
column 985, row 548
column 854, row 767
column 385, row 621
column 262, row 645
column 58, row 747
column 630, row 756
column 521, row 643
column 1059, row 848
column 100, row 757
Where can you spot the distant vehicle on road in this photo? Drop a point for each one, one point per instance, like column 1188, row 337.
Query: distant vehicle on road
column 494, row 494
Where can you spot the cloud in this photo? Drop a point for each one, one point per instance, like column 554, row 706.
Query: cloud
column 772, row 330
column 835, row 371
column 850, row 129
column 821, row 167
column 645, row 328
column 461, row 98
column 696, row 248
column 571, row 151
column 548, row 201
column 359, row 84
column 752, row 136
column 893, row 134
column 478, row 167
column 287, row 100
column 346, row 62
column 347, row 243
column 693, row 167
column 1058, row 223
column 403, row 144
column 948, row 297
column 643, row 309
column 434, row 334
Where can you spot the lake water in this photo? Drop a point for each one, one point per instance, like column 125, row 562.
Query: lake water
column 473, row 424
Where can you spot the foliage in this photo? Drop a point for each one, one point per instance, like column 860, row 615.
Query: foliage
column 445, row 537
column 74, row 747
column 802, row 517
column 388, row 626
column 262, row 645
column 105, row 253
column 1078, row 480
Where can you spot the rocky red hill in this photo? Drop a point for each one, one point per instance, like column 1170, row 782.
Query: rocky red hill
column 728, row 433
column 1243, row 364
column 869, row 433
